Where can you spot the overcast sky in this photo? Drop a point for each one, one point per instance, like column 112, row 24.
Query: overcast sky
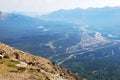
column 43, row 6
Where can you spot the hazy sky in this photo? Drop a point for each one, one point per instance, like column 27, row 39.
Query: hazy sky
column 43, row 6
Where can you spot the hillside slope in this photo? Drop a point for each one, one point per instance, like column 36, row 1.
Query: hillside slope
column 19, row 65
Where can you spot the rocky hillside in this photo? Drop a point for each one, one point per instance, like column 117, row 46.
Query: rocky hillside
column 19, row 65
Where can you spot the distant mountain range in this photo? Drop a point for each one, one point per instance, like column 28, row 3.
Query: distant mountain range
column 91, row 16
column 17, row 25
column 11, row 24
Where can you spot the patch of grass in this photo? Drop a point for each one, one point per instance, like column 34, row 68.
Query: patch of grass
column 7, row 65
column 11, row 65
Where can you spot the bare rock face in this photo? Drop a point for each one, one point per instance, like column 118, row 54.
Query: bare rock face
column 29, row 67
